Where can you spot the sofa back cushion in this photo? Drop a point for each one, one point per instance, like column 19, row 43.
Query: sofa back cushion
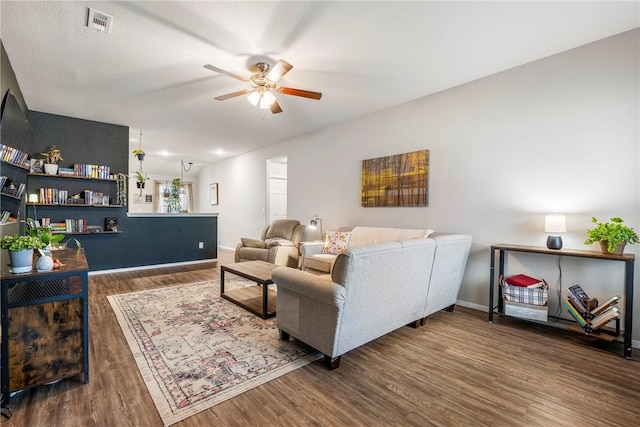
column 283, row 228
column 368, row 235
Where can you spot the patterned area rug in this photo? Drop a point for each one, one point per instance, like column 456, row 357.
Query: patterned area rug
column 195, row 349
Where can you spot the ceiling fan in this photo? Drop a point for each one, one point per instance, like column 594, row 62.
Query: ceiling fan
column 263, row 84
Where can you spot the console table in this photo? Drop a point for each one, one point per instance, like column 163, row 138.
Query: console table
column 45, row 325
column 627, row 259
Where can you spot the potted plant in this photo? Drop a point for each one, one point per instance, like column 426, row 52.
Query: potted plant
column 174, row 201
column 51, row 157
column 612, row 236
column 141, row 179
column 20, row 249
column 49, row 240
column 139, row 153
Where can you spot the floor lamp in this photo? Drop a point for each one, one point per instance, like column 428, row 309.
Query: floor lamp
column 313, row 224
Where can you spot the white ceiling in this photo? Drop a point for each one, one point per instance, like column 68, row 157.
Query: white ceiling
column 363, row 56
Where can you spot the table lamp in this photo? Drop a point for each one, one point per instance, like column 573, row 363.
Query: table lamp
column 555, row 223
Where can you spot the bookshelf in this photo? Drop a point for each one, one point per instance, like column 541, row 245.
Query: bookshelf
column 627, row 259
column 54, row 194
column 13, row 200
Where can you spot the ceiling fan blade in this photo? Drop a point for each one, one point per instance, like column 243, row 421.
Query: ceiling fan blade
column 275, row 107
column 280, row 69
column 226, row 73
column 300, row 92
column 233, row 94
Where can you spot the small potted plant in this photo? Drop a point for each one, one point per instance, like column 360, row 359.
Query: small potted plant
column 612, row 236
column 51, row 157
column 20, row 249
column 141, row 179
column 49, row 240
column 139, row 153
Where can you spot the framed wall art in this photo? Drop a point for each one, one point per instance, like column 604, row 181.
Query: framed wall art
column 214, row 193
column 398, row 180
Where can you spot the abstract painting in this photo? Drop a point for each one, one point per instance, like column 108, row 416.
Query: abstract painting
column 398, row 180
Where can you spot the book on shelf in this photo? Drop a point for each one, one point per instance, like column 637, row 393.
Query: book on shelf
column 13, row 155
column 589, row 303
column 605, row 317
column 578, row 305
column 608, row 303
column 581, row 321
column 4, row 216
column 524, row 281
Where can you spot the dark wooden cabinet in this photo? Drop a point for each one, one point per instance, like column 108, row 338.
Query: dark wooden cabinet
column 45, row 321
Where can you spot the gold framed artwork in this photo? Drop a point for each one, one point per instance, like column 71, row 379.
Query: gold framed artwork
column 214, row 193
column 396, row 181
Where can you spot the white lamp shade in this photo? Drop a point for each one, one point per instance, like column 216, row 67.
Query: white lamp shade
column 266, row 100
column 555, row 223
column 253, row 98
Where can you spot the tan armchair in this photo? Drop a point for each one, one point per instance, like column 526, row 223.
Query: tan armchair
column 279, row 244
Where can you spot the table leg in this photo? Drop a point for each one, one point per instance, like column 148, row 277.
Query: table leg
column 265, row 301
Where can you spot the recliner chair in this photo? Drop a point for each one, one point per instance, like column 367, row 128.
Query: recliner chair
column 278, row 244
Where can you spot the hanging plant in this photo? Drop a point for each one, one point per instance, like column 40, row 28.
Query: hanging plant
column 139, row 153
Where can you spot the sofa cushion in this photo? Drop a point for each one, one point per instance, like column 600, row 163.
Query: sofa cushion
column 282, row 228
column 335, row 242
column 369, row 235
column 278, row 242
column 320, row 262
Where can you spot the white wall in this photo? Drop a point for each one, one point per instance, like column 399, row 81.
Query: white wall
column 137, row 202
column 559, row 135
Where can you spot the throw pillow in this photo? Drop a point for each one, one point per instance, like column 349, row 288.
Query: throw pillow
column 336, row 242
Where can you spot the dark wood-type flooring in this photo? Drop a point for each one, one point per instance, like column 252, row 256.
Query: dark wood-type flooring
column 457, row 370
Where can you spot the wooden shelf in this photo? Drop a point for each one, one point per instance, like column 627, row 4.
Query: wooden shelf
column 16, row 166
column 73, row 205
column 44, row 175
column 85, row 232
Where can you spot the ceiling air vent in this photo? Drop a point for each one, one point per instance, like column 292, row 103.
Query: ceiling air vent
column 99, row 21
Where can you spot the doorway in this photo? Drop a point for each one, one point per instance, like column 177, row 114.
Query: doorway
column 277, row 189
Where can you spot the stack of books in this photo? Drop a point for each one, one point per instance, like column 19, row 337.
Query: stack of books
column 13, row 155
column 587, row 312
column 9, row 188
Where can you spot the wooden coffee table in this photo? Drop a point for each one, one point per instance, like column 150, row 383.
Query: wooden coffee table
column 259, row 300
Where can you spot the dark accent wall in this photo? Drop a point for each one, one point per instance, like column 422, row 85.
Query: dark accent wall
column 82, row 141
column 143, row 240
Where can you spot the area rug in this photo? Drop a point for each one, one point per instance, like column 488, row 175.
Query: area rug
column 195, row 349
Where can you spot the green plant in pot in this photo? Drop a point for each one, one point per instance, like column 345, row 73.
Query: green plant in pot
column 174, row 201
column 139, row 153
column 20, row 249
column 51, row 157
column 50, row 240
column 612, row 236
column 141, row 179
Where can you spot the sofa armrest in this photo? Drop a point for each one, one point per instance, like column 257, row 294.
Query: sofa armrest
column 319, row 288
column 311, row 248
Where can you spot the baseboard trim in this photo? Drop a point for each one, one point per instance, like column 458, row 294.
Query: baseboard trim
column 149, row 267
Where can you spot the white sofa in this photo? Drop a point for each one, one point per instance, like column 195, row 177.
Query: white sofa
column 315, row 261
column 372, row 290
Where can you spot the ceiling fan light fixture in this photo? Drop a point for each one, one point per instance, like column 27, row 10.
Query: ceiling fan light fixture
column 253, row 98
column 266, row 100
